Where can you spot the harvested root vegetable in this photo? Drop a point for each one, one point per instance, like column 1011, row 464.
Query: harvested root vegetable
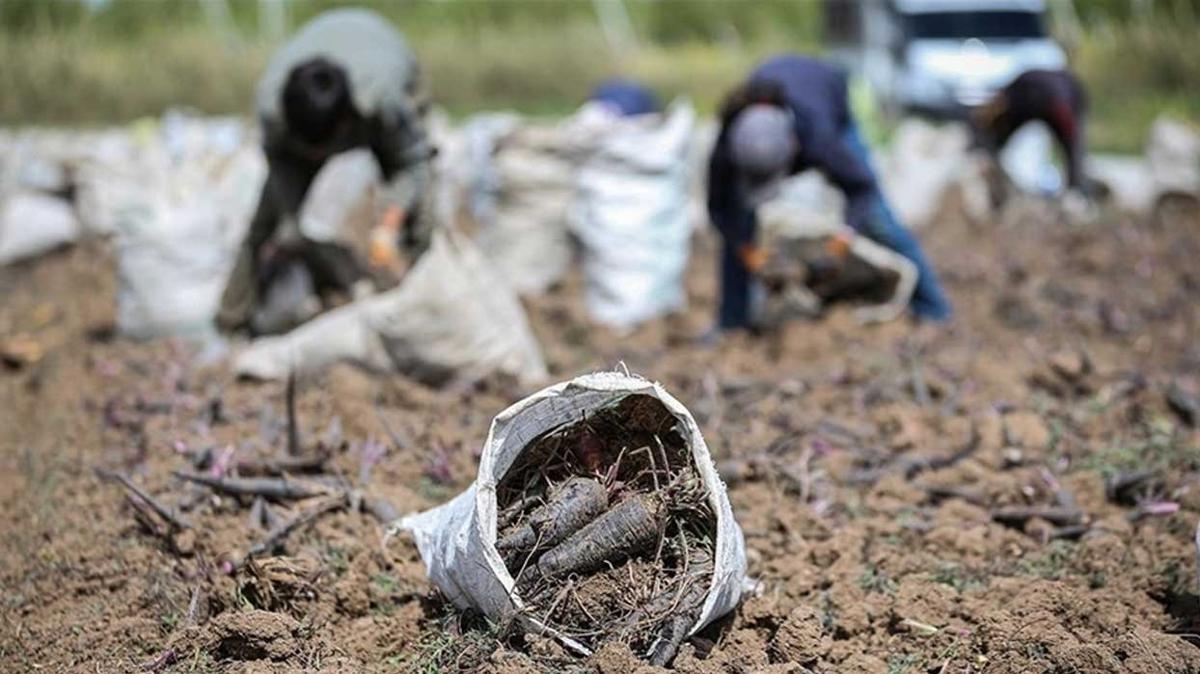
column 630, row 527
column 572, row 505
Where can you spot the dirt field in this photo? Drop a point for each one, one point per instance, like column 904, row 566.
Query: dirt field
column 929, row 500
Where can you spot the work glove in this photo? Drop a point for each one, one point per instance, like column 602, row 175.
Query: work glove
column 753, row 257
column 384, row 249
column 838, row 245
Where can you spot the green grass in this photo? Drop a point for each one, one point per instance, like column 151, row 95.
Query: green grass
column 959, row 578
column 1135, row 72
column 1051, row 563
column 874, row 579
column 1163, row 448
column 54, row 78
column 442, row 650
column 900, row 664
column 65, row 66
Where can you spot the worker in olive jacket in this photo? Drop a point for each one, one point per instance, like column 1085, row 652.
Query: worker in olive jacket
column 346, row 80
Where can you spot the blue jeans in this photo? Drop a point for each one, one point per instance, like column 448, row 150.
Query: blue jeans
column 928, row 300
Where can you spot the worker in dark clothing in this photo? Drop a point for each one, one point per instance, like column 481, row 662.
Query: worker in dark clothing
column 1054, row 97
column 791, row 115
column 625, row 97
column 346, row 80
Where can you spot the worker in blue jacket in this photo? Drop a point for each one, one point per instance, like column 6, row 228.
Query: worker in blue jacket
column 791, row 115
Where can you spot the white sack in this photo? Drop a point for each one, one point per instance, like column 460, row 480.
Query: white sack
column 457, row 540
column 178, row 200
column 471, row 170
column 525, row 232
column 1028, row 160
column 921, row 164
column 451, row 317
column 32, row 223
column 1128, row 181
column 807, row 206
column 631, row 216
column 1173, row 153
column 339, row 207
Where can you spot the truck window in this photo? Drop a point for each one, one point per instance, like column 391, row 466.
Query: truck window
column 984, row 25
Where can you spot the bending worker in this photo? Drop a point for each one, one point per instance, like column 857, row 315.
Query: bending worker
column 346, row 80
column 793, row 114
column 1054, row 97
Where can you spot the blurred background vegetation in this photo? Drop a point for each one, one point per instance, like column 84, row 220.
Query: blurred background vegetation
column 109, row 61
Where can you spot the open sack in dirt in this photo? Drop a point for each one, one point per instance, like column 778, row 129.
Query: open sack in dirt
column 591, row 494
column 452, row 318
column 631, row 214
column 807, row 271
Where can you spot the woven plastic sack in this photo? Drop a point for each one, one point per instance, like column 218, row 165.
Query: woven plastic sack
column 32, row 224
column 1173, row 154
column 631, row 216
column 176, row 241
column 339, row 206
column 457, row 540
column 523, row 230
column 919, row 167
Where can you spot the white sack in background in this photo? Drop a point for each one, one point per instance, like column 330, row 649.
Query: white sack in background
column 1028, row 160
column 631, row 216
column 525, row 232
column 32, row 223
column 451, row 318
column 1173, row 153
column 921, row 164
column 176, row 244
column 807, row 206
column 458, row 539
column 178, row 198
column 1128, row 180
column 339, row 207
column 471, row 171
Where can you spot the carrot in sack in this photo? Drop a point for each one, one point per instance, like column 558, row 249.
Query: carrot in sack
column 629, row 527
column 576, row 502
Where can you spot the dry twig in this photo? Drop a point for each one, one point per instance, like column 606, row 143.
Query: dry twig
column 278, row 488
column 170, row 515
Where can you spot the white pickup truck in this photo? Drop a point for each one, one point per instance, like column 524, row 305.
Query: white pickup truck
column 933, row 57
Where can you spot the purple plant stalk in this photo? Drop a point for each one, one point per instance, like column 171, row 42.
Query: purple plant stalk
column 107, row 368
column 439, row 469
column 224, row 461
column 1158, row 508
column 821, row 447
column 369, row 454
column 1048, row 477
